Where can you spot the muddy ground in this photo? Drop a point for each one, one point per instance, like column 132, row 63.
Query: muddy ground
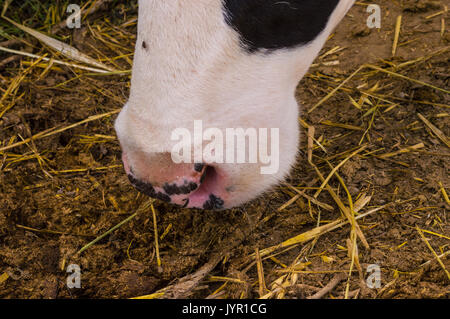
column 49, row 211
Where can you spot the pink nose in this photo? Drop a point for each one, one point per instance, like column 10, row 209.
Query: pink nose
column 186, row 185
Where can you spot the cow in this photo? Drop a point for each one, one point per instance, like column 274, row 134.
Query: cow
column 226, row 63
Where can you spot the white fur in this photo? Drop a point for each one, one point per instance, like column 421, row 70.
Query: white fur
column 194, row 69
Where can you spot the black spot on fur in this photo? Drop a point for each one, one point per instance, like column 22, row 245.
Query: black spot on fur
column 144, row 45
column 275, row 24
column 148, row 189
column 163, row 197
column 177, row 190
column 145, row 188
column 170, row 189
column 214, row 202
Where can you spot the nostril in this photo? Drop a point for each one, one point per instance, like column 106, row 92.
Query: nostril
column 199, row 167
column 209, row 175
column 207, row 195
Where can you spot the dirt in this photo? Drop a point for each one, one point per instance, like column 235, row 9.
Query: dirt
column 47, row 214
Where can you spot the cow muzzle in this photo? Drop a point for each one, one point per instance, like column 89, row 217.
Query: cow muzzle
column 187, row 185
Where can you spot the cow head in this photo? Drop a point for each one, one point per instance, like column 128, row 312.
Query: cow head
column 218, row 64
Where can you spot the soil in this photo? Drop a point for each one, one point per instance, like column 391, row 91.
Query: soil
column 48, row 212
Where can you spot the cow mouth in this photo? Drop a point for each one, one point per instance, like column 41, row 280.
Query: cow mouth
column 207, row 194
column 204, row 189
